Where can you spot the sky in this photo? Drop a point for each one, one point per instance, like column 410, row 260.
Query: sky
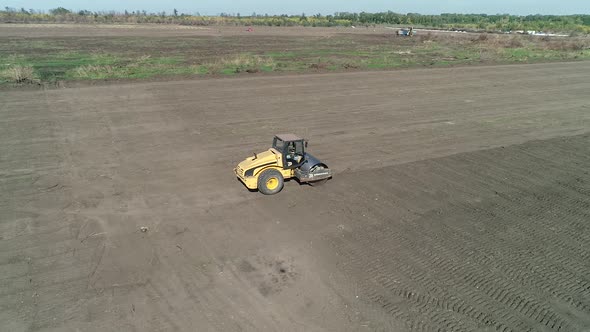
column 309, row 7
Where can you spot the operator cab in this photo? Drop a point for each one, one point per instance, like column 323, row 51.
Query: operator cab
column 292, row 149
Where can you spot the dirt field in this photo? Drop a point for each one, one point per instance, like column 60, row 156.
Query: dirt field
column 155, row 30
column 461, row 202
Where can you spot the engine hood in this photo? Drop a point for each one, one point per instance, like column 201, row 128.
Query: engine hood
column 265, row 158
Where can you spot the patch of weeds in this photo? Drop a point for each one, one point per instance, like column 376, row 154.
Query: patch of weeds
column 53, row 67
column 142, row 67
column 19, row 74
column 73, row 59
column 292, row 66
column 318, row 52
column 228, row 71
column 565, row 45
column 147, row 59
column 241, row 63
column 131, row 71
column 92, row 72
column 334, row 63
column 12, row 60
column 267, row 69
column 441, row 63
column 201, row 70
column 281, row 55
column 386, row 61
column 349, row 65
column 465, row 54
column 518, row 54
column 514, row 43
column 319, row 65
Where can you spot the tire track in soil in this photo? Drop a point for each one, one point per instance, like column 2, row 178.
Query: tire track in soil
column 381, row 290
column 443, row 300
column 374, row 292
column 537, row 236
column 501, row 294
column 581, row 205
column 538, row 266
column 549, row 266
column 547, row 202
column 549, row 206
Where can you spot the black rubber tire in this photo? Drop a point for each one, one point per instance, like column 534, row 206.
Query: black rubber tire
column 267, row 175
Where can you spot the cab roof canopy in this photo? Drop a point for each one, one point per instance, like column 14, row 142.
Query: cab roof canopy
column 289, row 137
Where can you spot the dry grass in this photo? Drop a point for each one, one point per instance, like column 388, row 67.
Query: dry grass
column 427, row 37
column 514, row 42
column 19, row 74
column 543, row 43
column 499, row 41
column 565, row 45
column 241, row 63
column 93, row 71
column 483, row 37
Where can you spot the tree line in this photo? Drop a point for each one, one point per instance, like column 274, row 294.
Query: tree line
column 479, row 22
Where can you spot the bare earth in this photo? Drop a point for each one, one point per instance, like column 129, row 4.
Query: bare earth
column 461, row 202
column 162, row 30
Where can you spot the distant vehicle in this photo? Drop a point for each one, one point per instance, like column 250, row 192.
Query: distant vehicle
column 409, row 32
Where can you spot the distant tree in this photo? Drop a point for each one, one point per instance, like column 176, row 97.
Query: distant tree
column 499, row 22
column 59, row 11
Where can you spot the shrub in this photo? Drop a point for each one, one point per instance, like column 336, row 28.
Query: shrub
column 19, row 74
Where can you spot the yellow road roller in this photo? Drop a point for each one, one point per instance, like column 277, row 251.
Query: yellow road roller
column 286, row 159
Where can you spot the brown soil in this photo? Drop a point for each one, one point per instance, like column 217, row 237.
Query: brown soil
column 155, row 30
column 460, row 202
